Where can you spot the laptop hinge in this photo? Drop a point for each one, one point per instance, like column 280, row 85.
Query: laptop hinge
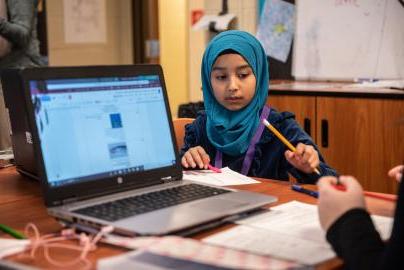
column 168, row 179
column 69, row 200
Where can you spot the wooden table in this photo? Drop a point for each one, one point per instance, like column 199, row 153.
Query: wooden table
column 21, row 202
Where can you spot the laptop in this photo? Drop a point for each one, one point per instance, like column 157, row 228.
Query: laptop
column 21, row 138
column 107, row 155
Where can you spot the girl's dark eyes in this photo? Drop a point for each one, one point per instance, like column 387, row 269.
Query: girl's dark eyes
column 240, row 75
column 221, row 77
column 243, row 75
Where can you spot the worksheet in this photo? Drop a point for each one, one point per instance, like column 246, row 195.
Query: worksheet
column 289, row 231
column 227, row 177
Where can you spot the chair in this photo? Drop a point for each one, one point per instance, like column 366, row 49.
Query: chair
column 179, row 129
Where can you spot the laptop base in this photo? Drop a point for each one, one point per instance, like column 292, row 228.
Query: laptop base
column 27, row 174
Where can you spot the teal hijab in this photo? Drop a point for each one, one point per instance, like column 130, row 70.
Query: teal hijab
column 231, row 131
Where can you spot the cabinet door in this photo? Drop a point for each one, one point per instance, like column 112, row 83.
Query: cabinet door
column 365, row 138
column 302, row 106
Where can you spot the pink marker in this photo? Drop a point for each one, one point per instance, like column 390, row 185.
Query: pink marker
column 212, row 168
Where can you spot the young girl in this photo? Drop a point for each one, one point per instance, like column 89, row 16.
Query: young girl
column 230, row 132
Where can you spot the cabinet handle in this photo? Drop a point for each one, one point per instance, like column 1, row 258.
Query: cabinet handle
column 324, row 133
column 307, row 126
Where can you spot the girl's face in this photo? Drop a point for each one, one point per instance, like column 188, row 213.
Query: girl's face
column 233, row 81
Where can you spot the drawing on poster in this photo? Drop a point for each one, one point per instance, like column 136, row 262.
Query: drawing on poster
column 85, row 21
column 276, row 28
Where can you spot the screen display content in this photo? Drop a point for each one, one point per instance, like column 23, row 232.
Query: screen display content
column 101, row 126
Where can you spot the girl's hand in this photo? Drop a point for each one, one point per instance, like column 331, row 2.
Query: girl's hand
column 195, row 157
column 333, row 203
column 305, row 158
column 397, row 172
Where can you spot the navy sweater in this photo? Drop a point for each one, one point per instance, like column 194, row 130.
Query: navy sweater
column 269, row 160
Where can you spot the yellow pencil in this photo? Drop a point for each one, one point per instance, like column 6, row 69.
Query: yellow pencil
column 283, row 139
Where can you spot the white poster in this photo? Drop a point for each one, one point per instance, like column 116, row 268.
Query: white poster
column 345, row 40
column 85, row 21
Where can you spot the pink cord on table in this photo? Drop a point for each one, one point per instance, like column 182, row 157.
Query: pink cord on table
column 50, row 241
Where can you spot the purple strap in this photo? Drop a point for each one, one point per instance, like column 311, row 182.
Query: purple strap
column 218, row 159
column 251, row 148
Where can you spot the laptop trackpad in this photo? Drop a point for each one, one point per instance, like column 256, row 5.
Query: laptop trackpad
column 218, row 205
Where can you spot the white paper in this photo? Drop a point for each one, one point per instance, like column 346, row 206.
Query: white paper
column 383, row 225
column 266, row 242
column 290, row 231
column 203, row 23
column 11, row 246
column 85, row 21
column 6, row 156
column 301, row 221
column 379, row 84
column 307, row 86
column 227, row 177
column 221, row 22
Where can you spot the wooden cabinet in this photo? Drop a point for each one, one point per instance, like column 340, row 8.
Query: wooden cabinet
column 304, row 108
column 360, row 135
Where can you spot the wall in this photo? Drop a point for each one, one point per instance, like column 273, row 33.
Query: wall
column 246, row 12
column 181, row 48
column 196, row 43
column 118, row 48
column 173, row 18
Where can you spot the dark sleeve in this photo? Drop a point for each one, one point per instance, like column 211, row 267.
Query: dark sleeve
column 295, row 134
column 17, row 29
column 355, row 239
column 193, row 134
column 392, row 256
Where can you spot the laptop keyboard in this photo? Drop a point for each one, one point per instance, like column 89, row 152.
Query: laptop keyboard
column 144, row 203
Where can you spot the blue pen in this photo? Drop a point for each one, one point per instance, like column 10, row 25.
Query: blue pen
column 366, row 80
column 305, row 191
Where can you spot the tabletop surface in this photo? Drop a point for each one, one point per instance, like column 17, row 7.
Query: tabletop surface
column 21, row 202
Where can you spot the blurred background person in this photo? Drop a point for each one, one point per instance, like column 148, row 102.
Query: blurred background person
column 19, row 48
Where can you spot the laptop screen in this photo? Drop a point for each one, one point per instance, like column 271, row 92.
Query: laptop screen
column 99, row 127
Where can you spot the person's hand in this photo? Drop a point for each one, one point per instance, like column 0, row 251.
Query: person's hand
column 333, row 203
column 397, row 172
column 195, row 157
column 305, row 158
